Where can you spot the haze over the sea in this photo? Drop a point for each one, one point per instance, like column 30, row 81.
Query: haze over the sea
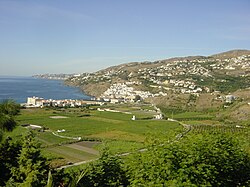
column 78, row 36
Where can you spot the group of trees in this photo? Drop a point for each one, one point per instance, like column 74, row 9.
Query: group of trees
column 196, row 160
column 21, row 163
column 207, row 159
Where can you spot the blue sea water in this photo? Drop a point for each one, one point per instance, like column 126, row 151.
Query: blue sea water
column 19, row 88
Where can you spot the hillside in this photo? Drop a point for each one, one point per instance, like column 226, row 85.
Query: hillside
column 231, row 54
column 225, row 72
column 61, row 76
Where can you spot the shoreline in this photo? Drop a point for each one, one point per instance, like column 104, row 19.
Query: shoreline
column 19, row 88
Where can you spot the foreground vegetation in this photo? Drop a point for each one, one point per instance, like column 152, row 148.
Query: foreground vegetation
column 207, row 159
column 211, row 155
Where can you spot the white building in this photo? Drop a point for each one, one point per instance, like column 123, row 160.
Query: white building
column 230, row 98
column 34, row 101
column 158, row 116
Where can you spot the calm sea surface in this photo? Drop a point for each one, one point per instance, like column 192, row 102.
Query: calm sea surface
column 19, row 88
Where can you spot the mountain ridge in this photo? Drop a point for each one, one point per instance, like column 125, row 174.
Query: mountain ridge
column 221, row 56
column 231, row 53
column 224, row 72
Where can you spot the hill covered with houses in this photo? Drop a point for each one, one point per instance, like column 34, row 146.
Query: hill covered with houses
column 224, row 72
column 193, row 83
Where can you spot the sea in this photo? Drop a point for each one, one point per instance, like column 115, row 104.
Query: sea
column 19, row 88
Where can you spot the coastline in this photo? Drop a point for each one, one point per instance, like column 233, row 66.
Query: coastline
column 18, row 88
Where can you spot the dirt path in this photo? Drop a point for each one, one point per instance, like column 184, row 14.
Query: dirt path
column 66, row 137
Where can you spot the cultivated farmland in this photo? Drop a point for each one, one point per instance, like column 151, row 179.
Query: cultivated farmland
column 78, row 134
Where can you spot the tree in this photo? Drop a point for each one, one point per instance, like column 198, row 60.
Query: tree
column 195, row 160
column 107, row 171
column 61, row 178
column 137, row 98
column 32, row 169
column 1, row 135
column 21, row 162
column 7, row 123
column 9, row 150
column 9, row 107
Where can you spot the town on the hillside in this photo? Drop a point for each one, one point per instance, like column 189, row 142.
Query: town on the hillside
column 135, row 82
column 186, row 76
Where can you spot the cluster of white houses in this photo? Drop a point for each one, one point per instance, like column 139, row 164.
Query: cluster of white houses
column 120, row 92
column 40, row 102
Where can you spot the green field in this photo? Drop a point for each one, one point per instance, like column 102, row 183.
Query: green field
column 98, row 124
column 115, row 130
column 186, row 116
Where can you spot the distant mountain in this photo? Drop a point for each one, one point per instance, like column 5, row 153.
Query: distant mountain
column 61, row 76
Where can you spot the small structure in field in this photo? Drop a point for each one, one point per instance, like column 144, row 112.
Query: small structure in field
column 133, row 118
column 58, row 117
column 32, row 126
column 61, row 130
column 159, row 116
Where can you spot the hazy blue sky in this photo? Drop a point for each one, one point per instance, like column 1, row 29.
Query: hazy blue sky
column 53, row 36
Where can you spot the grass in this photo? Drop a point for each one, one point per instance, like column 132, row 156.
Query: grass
column 119, row 135
column 192, row 116
column 117, row 130
column 16, row 133
column 48, row 139
column 71, row 154
column 97, row 123
column 202, row 122
column 119, row 146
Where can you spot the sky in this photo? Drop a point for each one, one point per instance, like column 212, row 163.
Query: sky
column 77, row 36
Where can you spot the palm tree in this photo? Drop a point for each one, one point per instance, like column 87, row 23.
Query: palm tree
column 8, row 109
column 7, row 123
